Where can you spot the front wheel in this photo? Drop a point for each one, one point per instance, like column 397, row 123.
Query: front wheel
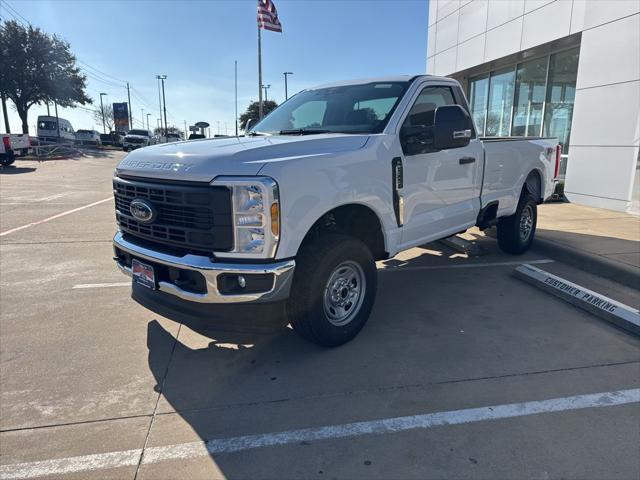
column 333, row 291
column 516, row 232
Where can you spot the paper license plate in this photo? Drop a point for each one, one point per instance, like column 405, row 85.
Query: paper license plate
column 143, row 274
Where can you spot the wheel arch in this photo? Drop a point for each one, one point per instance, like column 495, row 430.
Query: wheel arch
column 533, row 185
column 355, row 219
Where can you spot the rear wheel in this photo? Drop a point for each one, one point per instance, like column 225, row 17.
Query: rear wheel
column 6, row 160
column 333, row 291
column 516, row 232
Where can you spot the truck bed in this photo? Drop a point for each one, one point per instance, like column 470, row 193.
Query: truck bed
column 508, row 160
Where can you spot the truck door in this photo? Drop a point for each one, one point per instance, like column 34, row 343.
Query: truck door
column 440, row 188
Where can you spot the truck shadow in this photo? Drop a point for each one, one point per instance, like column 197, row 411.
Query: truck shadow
column 13, row 170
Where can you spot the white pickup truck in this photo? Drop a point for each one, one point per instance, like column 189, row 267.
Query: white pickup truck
column 286, row 224
column 138, row 138
column 13, row 145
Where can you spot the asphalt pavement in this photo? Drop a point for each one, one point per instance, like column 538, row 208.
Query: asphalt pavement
column 463, row 371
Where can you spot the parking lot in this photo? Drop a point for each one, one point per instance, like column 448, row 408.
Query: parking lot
column 95, row 386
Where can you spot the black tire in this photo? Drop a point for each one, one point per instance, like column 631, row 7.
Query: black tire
column 512, row 231
column 316, row 264
column 6, row 160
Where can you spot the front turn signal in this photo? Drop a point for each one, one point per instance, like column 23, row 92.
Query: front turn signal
column 275, row 219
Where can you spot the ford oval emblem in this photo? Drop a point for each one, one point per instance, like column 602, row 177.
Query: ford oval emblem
column 142, row 210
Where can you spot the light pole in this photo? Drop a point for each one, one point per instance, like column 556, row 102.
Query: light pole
column 286, row 93
column 142, row 116
column 104, row 128
column 236, row 89
column 148, row 115
column 164, row 105
column 161, row 77
column 265, row 91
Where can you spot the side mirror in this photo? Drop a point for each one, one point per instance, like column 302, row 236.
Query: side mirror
column 452, row 127
column 250, row 124
column 416, row 139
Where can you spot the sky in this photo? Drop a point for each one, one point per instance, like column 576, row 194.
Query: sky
column 195, row 43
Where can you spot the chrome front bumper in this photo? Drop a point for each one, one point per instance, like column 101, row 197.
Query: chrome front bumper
column 282, row 273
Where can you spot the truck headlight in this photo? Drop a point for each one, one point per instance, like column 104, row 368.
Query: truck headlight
column 256, row 216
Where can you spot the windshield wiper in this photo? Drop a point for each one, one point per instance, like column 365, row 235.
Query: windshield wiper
column 304, row 131
column 255, row 134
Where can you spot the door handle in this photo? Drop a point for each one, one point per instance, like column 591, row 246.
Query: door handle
column 465, row 160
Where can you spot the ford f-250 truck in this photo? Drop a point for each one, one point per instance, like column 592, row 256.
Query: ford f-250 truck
column 287, row 222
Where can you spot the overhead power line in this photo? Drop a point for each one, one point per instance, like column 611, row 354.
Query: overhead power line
column 106, row 82
column 89, row 70
column 101, row 73
column 15, row 13
column 138, row 96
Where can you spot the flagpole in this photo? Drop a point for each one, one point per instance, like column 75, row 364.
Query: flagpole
column 260, row 111
column 236, row 94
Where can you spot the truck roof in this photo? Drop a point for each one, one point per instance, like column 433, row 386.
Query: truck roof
column 363, row 81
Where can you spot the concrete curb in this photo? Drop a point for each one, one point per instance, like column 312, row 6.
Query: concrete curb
column 619, row 314
column 617, row 271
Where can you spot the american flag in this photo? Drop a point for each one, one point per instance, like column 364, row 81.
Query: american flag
column 268, row 16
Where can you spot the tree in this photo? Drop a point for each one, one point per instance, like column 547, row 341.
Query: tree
column 253, row 109
column 5, row 113
column 108, row 116
column 172, row 129
column 37, row 68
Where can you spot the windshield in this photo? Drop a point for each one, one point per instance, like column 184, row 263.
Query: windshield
column 46, row 125
column 344, row 109
column 138, row 132
column 85, row 131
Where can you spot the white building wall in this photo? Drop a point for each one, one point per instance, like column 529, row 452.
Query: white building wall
column 605, row 133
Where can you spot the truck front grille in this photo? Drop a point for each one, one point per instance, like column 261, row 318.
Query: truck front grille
column 194, row 217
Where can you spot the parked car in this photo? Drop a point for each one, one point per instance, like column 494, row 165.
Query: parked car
column 88, row 137
column 112, row 139
column 13, row 145
column 285, row 225
column 169, row 137
column 138, row 138
column 52, row 129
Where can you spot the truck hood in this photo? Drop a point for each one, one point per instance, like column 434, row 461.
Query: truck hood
column 136, row 136
column 203, row 160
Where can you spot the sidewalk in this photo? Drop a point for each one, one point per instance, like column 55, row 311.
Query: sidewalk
column 604, row 242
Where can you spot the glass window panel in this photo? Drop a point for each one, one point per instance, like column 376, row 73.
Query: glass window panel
column 529, row 97
column 309, row 115
column 561, row 91
column 422, row 112
column 380, row 107
column 478, row 94
column 500, row 100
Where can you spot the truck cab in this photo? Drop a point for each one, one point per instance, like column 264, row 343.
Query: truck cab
column 293, row 216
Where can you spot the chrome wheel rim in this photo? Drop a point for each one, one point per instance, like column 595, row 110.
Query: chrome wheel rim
column 344, row 293
column 526, row 223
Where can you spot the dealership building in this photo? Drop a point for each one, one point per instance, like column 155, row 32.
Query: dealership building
column 565, row 68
